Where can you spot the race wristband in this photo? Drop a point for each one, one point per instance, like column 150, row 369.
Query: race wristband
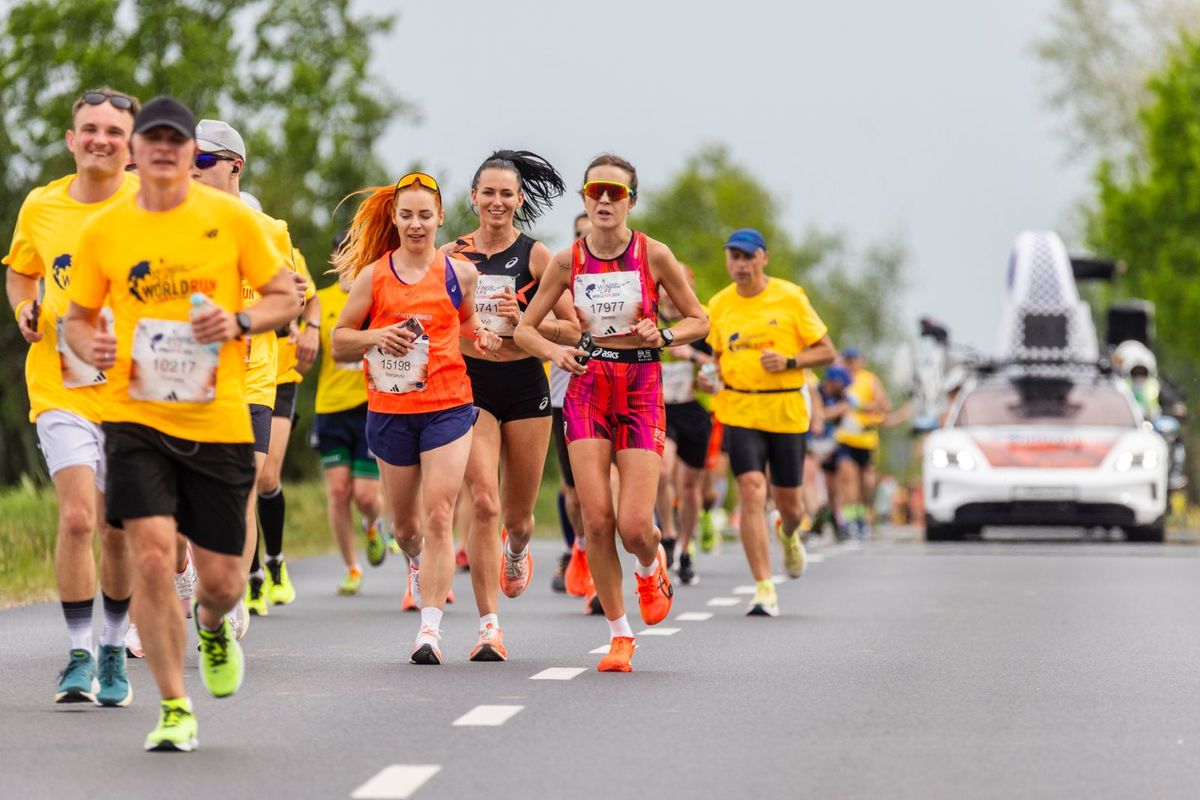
column 20, row 306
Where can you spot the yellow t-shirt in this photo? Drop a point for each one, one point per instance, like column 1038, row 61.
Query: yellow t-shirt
column 286, row 347
column 861, row 428
column 262, row 361
column 341, row 385
column 780, row 318
column 146, row 265
column 47, row 235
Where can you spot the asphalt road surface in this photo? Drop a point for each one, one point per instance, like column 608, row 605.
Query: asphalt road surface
column 1004, row 668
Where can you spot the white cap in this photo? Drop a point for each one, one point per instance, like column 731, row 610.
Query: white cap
column 213, row 135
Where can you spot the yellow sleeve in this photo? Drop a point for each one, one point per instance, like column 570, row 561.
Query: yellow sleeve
column 258, row 259
column 22, row 256
column 809, row 326
column 89, row 286
column 714, row 327
column 302, row 267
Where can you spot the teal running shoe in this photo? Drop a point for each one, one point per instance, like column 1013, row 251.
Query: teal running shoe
column 115, row 690
column 77, row 682
column 176, row 731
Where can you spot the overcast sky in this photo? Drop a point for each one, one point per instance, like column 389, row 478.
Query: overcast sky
column 921, row 121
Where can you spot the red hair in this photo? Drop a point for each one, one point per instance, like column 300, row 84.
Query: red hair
column 371, row 234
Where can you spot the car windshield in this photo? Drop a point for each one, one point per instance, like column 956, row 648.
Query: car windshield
column 1042, row 401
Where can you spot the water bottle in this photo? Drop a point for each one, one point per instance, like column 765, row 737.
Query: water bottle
column 200, row 302
column 709, row 373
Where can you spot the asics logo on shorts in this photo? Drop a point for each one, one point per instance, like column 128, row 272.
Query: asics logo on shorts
column 542, row 405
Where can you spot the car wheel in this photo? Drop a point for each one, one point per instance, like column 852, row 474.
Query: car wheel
column 1155, row 532
column 943, row 532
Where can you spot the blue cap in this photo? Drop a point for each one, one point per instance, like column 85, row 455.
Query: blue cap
column 838, row 374
column 747, row 240
column 851, row 352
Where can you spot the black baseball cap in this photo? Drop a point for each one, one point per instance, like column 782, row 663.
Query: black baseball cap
column 166, row 111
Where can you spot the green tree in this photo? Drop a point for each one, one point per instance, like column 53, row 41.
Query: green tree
column 293, row 76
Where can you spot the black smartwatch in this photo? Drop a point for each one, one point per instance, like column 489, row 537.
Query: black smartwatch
column 791, row 363
column 243, row 322
column 668, row 336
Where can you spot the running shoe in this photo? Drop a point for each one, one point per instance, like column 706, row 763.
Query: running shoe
column 221, row 663
column 669, row 548
column 764, row 604
column 77, row 682
column 655, row 592
column 133, row 642
column 280, row 591
column 578, row 577
column 795, row 558
column 426, row 649
column 239, row 619
column 558, row 581
column 687, row 572
column 377, row 548
column 620, row 653
column 413, row 593
column 708, row 531
column 515, row 573
column 176, row 731
column 450, row 597
column 185, row 584
column 461, row 561
column 114, row 681
column 592, row 606
column 256, row 597
column 490, row 646
column 352, row 582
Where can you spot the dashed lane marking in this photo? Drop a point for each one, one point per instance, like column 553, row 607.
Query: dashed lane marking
column 397, row 782
column 744, row 590
column 559, row 673
column 723, row 602
column 600, row 651
column 694, row 616
column 659, row 632
column 488, row 715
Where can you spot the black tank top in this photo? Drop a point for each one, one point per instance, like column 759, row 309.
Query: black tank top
column 511, row 262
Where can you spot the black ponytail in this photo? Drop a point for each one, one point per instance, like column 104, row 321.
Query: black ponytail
column 537, row 179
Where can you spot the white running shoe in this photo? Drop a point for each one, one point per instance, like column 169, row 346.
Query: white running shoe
column 414, row 583
column 185, row 585
column 133, row 642
column 239, row 619
column 427, row 649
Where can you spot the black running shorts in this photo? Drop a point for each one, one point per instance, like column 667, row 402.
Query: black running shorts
column 753, row 451
column 509, row 390
column 689, row 426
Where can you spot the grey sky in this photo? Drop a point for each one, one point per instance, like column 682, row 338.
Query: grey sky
column 922, row 121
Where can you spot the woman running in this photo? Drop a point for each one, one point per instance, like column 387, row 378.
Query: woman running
column 614, row 401
column 407, row 309
column 510, row 387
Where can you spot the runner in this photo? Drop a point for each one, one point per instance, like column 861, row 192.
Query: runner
column 339, row 434
column 64, row 398
column 510, row 389
column 407, row 308
column 614, row 401
column 171, row 262
column 764, row 335
column 866, row 407
column 832, row 389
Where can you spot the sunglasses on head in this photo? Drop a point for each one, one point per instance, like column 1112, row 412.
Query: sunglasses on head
column 118, row 100
column 419, row 179
column 209, row 160
column 615, row 191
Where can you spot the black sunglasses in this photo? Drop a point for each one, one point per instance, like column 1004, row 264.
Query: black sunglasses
column 118, row 100
column 209, row 160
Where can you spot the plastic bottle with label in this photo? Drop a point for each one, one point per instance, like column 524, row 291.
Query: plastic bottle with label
column 200, row 304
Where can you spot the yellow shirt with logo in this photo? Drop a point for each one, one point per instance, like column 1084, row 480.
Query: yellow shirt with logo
column 341, row 385
column 779, row 318
column 261, row 350
column 861, row 428
column 146, row 265
column 45, row 245
column 286, row 347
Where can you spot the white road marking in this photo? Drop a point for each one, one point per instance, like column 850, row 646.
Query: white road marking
column 780, row 578
column 397, row 782
column 724, row 602
column 659, row 632
column 694, row 616
column 815, row 558
column 600, row 651
column 744, row 590
column 488, row 715
column 559, row 673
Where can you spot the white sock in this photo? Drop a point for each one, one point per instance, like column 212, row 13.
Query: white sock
column 620, row 627
column 489, row 619
column 415, row 561
column 647, row 571
column 512, row 554
column 580, row 541
column 432, row 617
column 275, row 559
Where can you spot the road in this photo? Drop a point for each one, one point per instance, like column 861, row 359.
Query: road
column 1004, row 668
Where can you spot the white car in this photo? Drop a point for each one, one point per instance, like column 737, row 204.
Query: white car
column 1045, row 446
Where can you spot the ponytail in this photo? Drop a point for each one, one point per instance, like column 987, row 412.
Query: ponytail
column 538, row 180
column 371, row 234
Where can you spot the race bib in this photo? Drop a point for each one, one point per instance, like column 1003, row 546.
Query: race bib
column 77, row 373
column 170, row 366
column 679, row 384
column 399, row 374
column 609, row 303
column 488, row 308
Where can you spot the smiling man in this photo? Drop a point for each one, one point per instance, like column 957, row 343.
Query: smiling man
column 64, row 391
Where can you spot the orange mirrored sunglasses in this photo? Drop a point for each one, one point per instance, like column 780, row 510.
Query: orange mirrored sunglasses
column 615, row 191
column 419, row 179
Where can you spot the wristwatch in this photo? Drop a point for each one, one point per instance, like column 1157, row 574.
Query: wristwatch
column 243, row 322
column 668, row 336
column 791, row 363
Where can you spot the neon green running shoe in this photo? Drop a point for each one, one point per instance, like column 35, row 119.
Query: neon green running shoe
column 256, row 597
column 795, row 557
column 377, row 548
column 351, row 583
column 221, row 663
column 708, row 532
column 176, row 731
column 281, row 591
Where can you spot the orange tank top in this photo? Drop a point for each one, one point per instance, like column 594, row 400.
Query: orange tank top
column 433, row 376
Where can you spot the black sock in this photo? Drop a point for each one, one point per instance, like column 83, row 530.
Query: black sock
column 564, row 522
column 255, row 564
column 271, row 508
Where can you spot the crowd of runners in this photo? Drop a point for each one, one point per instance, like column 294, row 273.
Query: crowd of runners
column 170, row 321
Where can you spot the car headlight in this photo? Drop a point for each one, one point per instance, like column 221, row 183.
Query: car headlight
column 942, row 458
column 1136, row 459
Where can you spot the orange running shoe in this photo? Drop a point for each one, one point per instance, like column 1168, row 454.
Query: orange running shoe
column 655, row 592
column 450, row 597
column 490, row 646
column 515, row 574
column 461, row 562
column 620, row 652
column 579, row 576
column 592, row 605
